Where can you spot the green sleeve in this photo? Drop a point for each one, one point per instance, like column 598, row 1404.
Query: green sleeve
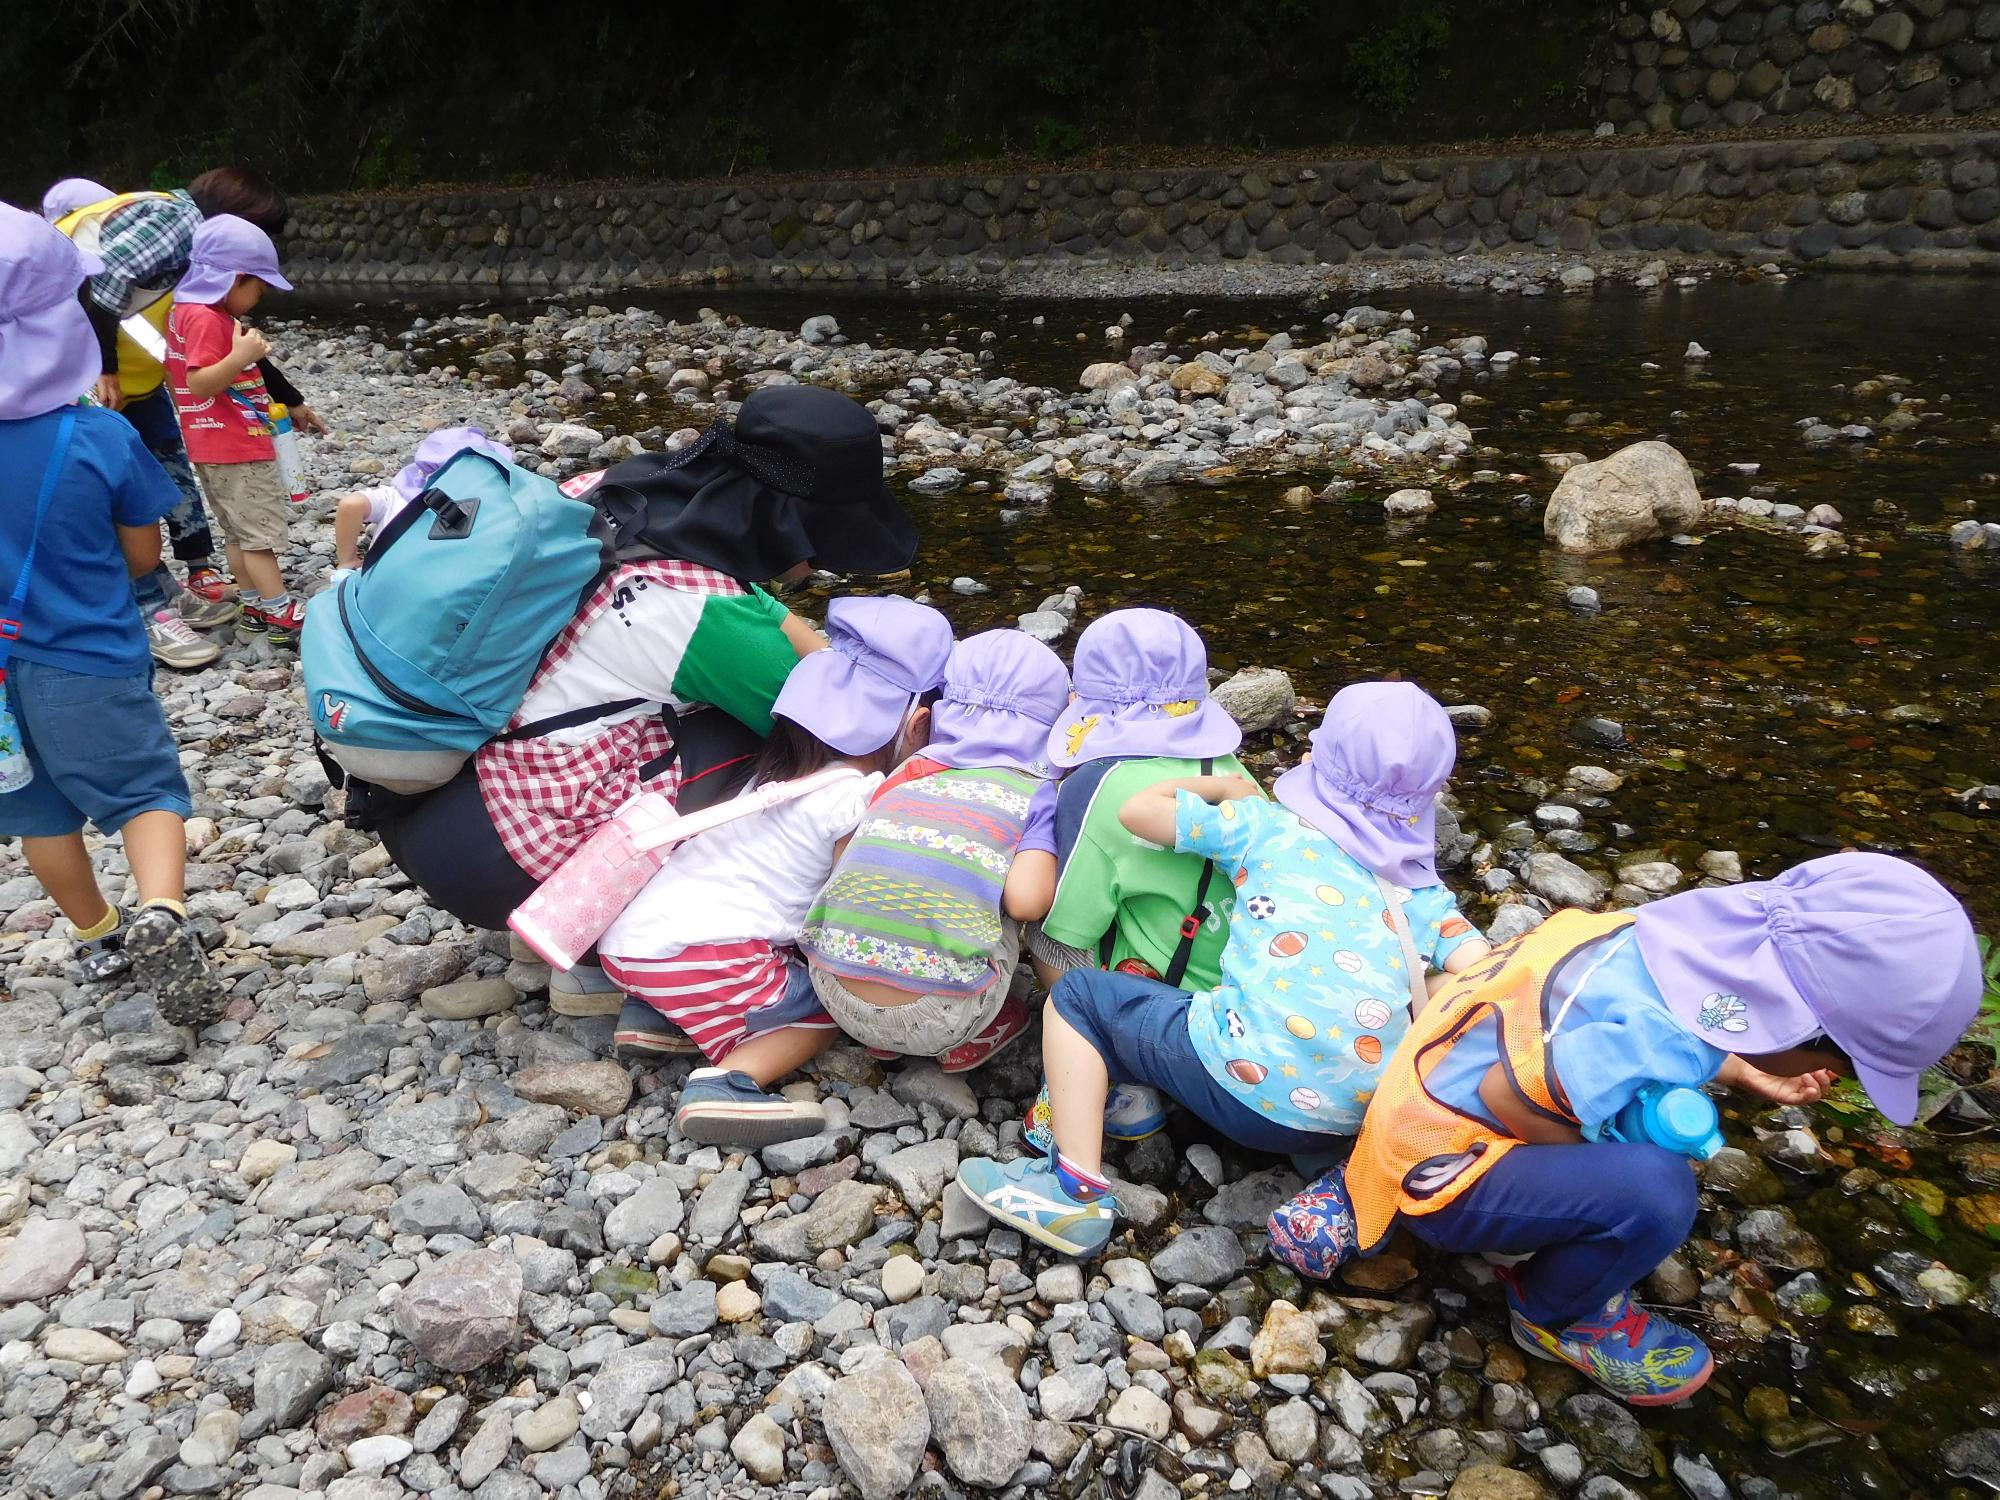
column 1086, row 901
column 738, row 658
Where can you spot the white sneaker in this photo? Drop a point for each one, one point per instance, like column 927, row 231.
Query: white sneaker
column 174, row 642
column 585, row 990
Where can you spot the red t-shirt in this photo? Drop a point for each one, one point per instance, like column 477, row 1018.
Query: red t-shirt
column 233, row 427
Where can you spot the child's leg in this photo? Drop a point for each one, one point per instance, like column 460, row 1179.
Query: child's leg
column 156, row 848
column 62, row 865
column 776, row 1054
column 258, row 569
column 1594, row 1219
column 1078, row 1084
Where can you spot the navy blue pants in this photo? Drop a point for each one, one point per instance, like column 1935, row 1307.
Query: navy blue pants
column 187, row 523
column 1140, row 1028
column 1594, row 1220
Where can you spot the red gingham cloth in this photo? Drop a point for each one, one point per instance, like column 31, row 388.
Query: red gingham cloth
column 546, row 798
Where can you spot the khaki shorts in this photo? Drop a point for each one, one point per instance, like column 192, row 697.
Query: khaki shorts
column 929, row 1025
column 249, row 502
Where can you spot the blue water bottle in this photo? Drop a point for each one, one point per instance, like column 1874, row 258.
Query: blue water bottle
column 1671, row 1115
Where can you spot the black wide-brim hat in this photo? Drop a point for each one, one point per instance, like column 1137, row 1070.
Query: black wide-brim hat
column 799, row 477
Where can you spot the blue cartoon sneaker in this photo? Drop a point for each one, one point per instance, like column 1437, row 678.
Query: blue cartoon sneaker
column 1028, row 1195
column 1637, row 1356
column 1131, row 1113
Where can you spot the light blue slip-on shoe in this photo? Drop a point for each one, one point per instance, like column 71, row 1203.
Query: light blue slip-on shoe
column 1028, row 1195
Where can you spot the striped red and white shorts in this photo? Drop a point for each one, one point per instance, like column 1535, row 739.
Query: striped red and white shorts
column 723, row 994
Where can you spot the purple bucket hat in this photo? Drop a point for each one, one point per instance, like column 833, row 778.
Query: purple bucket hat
column 1863, row 948
column 1379, row 758
column 881, row 655
column 226, row 247
column 1002, row 691
column 433, row 452
column 1141, row 679
column 72, row 193
column 48, row 354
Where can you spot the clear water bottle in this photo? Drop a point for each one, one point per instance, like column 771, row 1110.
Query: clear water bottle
column 16, row 770
column 291, row 464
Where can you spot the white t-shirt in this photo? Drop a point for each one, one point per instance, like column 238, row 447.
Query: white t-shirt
column 754, row 878
column 384, row 505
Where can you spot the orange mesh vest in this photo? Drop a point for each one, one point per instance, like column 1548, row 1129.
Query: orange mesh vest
column 1416, row 1154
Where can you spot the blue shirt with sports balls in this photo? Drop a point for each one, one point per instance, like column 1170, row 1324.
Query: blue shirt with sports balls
column 80, row 615
column 1315, row 992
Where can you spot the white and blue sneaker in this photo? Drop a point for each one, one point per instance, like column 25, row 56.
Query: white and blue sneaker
column 1132, row 1112
column 1028, row 1195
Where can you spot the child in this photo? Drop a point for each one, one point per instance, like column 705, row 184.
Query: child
column 914, row 943
column 1140, row 714
column 84, row 504
column 377, row 506
column 1477, row 1137
column 708, row 943
column 1339, row 911
column 225, row 413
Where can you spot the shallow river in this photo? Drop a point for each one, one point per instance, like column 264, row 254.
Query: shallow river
column 1775, row 703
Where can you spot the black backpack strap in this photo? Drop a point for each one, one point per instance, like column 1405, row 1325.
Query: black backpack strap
column 1191, row 924
column 569, row 719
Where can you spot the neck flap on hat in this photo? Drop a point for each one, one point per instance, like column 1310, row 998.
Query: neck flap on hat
column 1002, row 692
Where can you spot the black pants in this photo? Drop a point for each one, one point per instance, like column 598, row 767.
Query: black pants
column 446, row 843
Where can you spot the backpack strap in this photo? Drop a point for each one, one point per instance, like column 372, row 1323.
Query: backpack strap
column 568, row 719
column 756, row 800
column 17, row 602
column 1191, row 924
column 1399, row 919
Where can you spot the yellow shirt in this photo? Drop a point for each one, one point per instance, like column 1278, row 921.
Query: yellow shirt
column 139, row 374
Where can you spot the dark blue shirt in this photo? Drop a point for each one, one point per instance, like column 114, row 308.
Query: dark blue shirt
column 80, row 614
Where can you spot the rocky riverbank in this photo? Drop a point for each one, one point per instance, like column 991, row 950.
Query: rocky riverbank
column 392, row 1227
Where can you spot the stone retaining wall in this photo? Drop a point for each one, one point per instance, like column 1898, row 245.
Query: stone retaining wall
column 1727, row 64
column 1927, row 201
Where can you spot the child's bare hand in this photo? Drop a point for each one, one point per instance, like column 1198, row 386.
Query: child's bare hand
column 1806, row 1088
column 248, row 346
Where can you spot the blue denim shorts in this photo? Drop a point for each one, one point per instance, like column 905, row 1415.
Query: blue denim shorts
column 100, row 747
column 1140, row 1028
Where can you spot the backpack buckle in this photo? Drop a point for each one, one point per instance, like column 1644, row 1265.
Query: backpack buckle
column 10, row 630
column 1190, row 926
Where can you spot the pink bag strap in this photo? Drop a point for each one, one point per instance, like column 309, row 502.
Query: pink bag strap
column 744, row 804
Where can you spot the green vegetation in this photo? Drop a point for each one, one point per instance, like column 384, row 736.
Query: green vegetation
column 379, row 94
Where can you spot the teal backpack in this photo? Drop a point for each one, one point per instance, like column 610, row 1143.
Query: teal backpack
column 424, row 654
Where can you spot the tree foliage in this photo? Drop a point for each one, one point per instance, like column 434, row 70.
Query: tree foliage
column 347, row 94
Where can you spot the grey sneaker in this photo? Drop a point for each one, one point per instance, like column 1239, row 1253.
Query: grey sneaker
column 104, row 957
column 204, row 614
column 166, row 958
column 585, row 990
column 721, row 1108
column 174, row 643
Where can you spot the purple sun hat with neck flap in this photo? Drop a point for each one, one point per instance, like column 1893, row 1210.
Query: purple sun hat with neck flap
column 226, row 247
column 1866, row 949
column 436, row 449
column 1141, row 680
column 48, row 353
column 72, row 193
column 1379, row 759
column 1002, row 691
column 881, row 656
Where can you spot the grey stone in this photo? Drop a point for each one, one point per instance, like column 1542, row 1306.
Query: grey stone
column 919, row 1172
column 43, row 1257
column 981, row 1419
column 290, row 1378
column 1639, row 493
column 686, row 1312
column 878, row 1424
column 463, row 1310
column 1205, row 1256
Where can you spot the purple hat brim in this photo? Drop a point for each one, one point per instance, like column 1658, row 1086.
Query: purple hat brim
column 842, row 704
column 1699, row 950
column 1402, row 853
column 1141, row 729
